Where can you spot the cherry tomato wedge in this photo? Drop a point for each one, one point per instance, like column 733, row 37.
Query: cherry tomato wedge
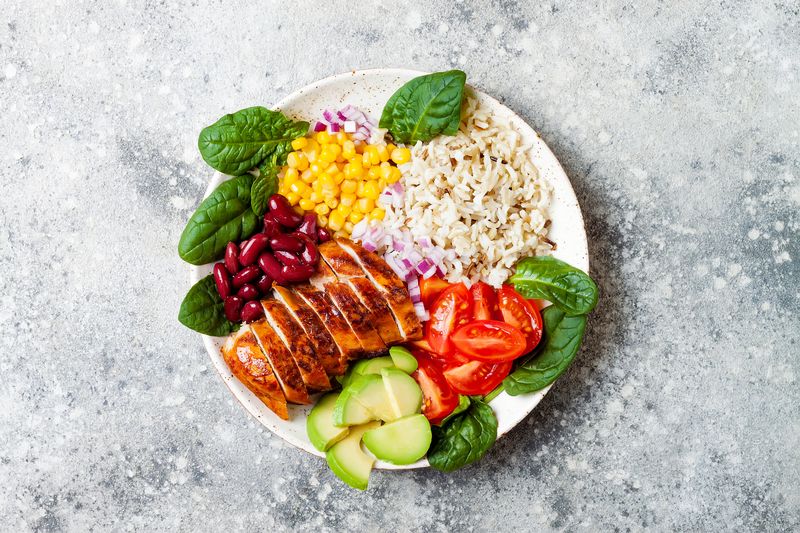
column 438, row 398
column 451, row 310
column 521, row 314
column 476, row 377
column 489, row 340
column 484, row 302
column 431, row 288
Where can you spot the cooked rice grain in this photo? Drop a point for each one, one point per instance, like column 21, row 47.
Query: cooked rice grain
column 477, row 193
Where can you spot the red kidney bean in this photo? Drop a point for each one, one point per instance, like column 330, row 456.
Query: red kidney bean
column 264, row 283
column 222, row 280
column 271, row 226
column 309, row 225
column 232, row 258
column 252, row 311
column 287, row 258
column 248, row 292
column 270, row 266
column 253, row 248
column 233, row 308
column 294, row 274
column 283, row 212
column 309, row 255
column 246, row 275
column 323, row 235
column 287, row 243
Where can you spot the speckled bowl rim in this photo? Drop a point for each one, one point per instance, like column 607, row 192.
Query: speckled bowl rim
column 516, row 408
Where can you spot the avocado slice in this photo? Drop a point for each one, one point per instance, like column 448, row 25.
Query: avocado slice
column 319, row 424
column 405, row 396
column 364, row 399
column 366, row 366
column 348, row 461
column 401, row 442
column 403, row 359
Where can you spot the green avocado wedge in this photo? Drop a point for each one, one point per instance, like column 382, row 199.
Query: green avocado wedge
column 348, row 461
column 367, row 366
column 319, row 424
column 362, row 400
column 404, row 394
column 403, row 359
column 401, row 442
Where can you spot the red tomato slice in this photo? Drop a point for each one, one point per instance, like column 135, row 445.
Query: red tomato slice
column 476, row 377
column 484, row 301
column 431, row 288
column 521, row 314
column 489, row 340
column 438, row 398
column 451, row 310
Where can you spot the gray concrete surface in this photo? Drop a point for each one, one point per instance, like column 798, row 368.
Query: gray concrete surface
column 678, row 125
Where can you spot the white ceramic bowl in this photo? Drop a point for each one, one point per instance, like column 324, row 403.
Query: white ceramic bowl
column 369, row 90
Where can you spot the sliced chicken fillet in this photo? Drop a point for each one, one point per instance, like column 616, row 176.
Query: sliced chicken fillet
column 247, row 362
column 348, row 270
column 282, row 363
column 357, row 316
column 330, row 315
column 390, row 285
column 325, row 347
column 298, row 344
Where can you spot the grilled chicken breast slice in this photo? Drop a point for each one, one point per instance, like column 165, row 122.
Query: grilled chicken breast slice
column 283, row 365
column 390, row 285
column 357, row 316
column 298, row 344
column 248, row 363
column 348, row 270
column 330, row 315
column 326, row 349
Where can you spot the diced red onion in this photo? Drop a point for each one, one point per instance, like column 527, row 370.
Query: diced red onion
column 368, row 245
column 350, row 126
column 419, row 308
column 328, row 115
column 334, row 127
column 320, row 126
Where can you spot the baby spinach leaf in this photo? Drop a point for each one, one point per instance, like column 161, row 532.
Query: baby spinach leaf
column 548, row 278
column 264, row 186
column 463, row 405
column 563, row 336
column 203, row 310
column 464, row 439
column 425, row 107
column 222, row 217
column 240, row 141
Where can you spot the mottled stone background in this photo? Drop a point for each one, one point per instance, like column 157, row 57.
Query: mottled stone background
column 677, row 122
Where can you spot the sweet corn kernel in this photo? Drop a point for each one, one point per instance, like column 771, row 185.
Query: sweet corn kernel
column 332, row 169
column 291, row 174
column 338, row 178
column 360, row 188
column 348, row 199
column 386, row 170
column 344, row 209
column 371, row 190
column 377, row 214
column 307, row 176
column 384, row 153
column 293, row 198
column 307, row 204
column 401, row 155
column 382, row 183
column 298, row 160
column 360, row 147
column 332, row 202
column 315, row 197
column 394, row 177
column 348, row 227
column 323, row 220
column 335, row 221
column 322, row 209
column 355, row 217
column 348, row 150
column 311, row 146
column 374, row 155
column 298, row 210
column 299, row 143
column 323, row 137
column 365, row 205
column 349, row 186
column 374, row 173
column 353, row 169
column 390, row 148
column 317, row 168
column 327, row 181
column 297, row 187
column 366, row 160
column 306, row 192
